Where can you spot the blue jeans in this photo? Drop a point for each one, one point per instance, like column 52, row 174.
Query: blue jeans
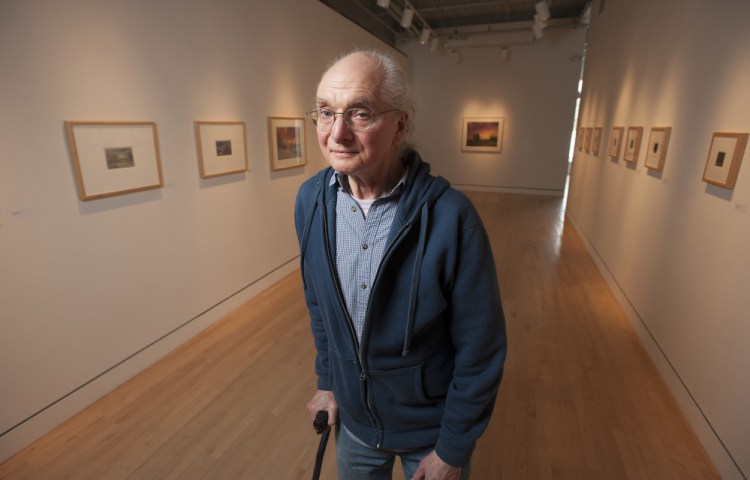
column 358, row 462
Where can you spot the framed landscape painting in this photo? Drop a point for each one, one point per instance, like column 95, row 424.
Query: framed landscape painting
column 286, row 140
column 482, row 134
column 114, row 158
column 221, row 148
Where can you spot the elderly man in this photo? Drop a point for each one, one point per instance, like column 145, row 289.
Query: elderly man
column 400, row 284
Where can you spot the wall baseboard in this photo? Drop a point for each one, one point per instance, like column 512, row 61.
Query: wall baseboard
column 504, row 189
column 712, row 443
column 39, row 424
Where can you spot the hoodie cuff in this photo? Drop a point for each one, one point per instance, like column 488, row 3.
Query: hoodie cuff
column 451, row 456
column 323, row 383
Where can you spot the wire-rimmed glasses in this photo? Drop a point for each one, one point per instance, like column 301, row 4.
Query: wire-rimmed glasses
column 357, row 118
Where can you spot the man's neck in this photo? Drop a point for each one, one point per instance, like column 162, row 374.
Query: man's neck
column 367, row 189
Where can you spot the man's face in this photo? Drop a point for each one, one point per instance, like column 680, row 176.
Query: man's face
column 367, row 154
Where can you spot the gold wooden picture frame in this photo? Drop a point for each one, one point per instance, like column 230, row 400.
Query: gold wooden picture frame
column 724, row 159
column 286, row 142
column 633, row 144
column 579, row 138
column 615, row 142
column 114, row 158
column 596, row 140
column 482, row 134
column 656, row 151
column 222, row 149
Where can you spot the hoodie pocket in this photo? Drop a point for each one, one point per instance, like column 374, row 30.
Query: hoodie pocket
column 399, row 398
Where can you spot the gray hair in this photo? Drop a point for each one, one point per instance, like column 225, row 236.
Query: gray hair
column 394, row 87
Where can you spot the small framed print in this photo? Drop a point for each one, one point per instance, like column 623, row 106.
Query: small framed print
column 587, row 140
column 633, row 144
column 286, row 140
column 579, row 138
column 724, row 159
column 656, row 153
column 221, row 148
column 482, row 134
column 114, row 158
column 596, row 140
column 615, row 142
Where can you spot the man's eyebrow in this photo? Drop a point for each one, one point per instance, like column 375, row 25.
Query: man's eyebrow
column 357, row 102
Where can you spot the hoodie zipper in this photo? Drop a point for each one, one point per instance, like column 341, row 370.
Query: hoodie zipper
column 349, row 323
column 339, row 293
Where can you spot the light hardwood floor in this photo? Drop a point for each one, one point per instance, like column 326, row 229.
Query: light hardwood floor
column 580, row 398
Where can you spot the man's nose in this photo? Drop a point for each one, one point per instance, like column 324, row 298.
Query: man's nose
column 339, row 129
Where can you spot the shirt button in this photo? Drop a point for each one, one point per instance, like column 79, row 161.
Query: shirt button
column 363, row 286
column 354, row 209
column 364, row 246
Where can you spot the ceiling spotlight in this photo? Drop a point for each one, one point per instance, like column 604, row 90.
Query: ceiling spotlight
column 537, row 30
column 542, row 9
column 434, row 44
column 406, row 17
column 424, row 36
column 384, row 3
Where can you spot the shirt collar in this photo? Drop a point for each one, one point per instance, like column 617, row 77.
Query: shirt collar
column 338, row 180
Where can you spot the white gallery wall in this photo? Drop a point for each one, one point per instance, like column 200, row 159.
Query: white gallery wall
column 674, row 248
column 535, row 91
column 93, row 292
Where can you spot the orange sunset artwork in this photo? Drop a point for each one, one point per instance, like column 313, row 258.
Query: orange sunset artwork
column 482, row 134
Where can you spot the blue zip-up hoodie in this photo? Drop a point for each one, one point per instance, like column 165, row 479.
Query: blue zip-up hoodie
column 430, row 360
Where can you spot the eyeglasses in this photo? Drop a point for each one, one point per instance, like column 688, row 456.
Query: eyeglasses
column 357, row 119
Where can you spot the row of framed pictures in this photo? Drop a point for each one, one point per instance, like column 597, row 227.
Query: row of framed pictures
column 114, row 158
column 722, row 165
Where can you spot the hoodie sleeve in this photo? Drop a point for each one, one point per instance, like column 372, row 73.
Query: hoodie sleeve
column 478, row 336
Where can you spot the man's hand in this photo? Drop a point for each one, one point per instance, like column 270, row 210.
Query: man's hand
column 433, row 468
column 323, row 400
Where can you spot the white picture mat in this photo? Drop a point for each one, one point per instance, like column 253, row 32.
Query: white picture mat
column 91, row 142
column 658, row 142
column 720, row 173
column 596, row 140
column 214, row 164
column 616, row 142
column 632, row 144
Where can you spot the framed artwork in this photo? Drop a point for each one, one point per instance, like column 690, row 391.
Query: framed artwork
column 587, row 140
column 596, row 140
column 615, row 142
column 658, row 142
column 221, row 148
column 579, row 138
column 482, row 134
column 725, row 158
column 286, row 140
column 633, row 144
column 113, row 158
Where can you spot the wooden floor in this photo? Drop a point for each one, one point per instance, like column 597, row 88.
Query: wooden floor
column 580, row 399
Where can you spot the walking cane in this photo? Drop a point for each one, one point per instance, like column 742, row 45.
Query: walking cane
column 320, row 424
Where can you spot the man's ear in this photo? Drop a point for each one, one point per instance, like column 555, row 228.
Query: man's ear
column 403, row 120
